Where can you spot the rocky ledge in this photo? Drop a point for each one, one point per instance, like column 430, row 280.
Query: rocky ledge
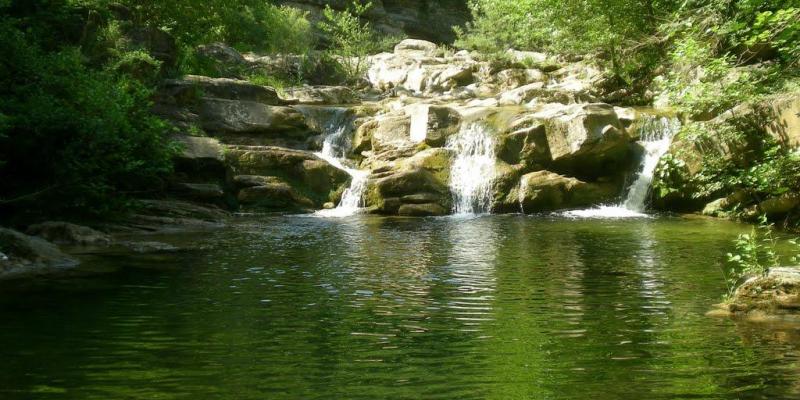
column 550, row 139
column 772, row 297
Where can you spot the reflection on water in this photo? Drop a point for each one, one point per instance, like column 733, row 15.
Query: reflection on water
column 492, row 307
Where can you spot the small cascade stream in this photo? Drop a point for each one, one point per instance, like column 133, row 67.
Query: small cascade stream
column 656, row 135
column 334, row 150
column 473, row 169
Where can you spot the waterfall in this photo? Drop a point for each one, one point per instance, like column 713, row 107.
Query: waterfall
column 337, row 143
column 656, row 135
column 473, row 169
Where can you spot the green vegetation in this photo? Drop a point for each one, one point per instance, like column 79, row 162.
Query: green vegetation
column 76, row 131
column 699, row 40
column 73, row 136
column 351, row 39
column 755, row 253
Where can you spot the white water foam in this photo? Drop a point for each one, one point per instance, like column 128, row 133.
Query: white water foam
column 334, row 150
column 473, row 169
column 655, row 136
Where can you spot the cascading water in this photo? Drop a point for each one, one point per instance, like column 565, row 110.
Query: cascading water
column 655, row 136
column 473, row 169
column 334, row 150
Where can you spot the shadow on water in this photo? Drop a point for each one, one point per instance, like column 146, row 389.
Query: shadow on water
column 491, row 307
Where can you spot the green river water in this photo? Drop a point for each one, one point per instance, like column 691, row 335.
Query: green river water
column 496, row 307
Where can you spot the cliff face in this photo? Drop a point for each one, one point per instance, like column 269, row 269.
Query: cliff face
column 417, row 19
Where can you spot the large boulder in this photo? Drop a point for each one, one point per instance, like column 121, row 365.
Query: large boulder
column 771, row 297
column 28, row 255
column 309, row 177
column 416, row 48
column 524, row 141
column 66, row 233
column 190, row 88
column 170, row 216
column 547, row 191
column 421, row 76
column 587, row 140
column 512, row 78
column 274, row 193
column 249, row 117
column 224, row 60
column 391, row 132
column 412, row 191
column 432, row 124
column 319, row 95
column 200, row 158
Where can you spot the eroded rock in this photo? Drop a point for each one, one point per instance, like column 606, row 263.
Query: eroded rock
column 67, row 233
column 548, row 191
column 772, row 297
column 28, row 255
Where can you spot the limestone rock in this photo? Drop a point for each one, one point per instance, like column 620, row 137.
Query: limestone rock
column 322, row 95
column 442, row 123
column 774, row 296
column 399, row 71
column 192, row 87
column 512, row 78
column 67, row 233
column 243, row 117
column 421, row 210
column 414, row 191
column 28, row 255
column 225, row 60
column 199, row 149
column 780, row 205
column 274, row 195
column 585, row 138
column 301, row 171
column 389, row 133
column 416, row 48
column 436, row 161
column 548, row 191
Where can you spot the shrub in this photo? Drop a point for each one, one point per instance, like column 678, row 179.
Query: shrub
column 352, row 40
column 73, row 137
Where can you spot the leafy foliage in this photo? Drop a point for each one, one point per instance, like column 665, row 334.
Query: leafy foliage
column 619, row 31
column 351, row 39
column 245, row 24
column 754, row 254
column 73, row 137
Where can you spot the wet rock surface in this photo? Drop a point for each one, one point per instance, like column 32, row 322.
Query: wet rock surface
column 773, row 297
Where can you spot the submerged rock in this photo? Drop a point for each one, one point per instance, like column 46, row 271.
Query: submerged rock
column 29, row 255
column 772, row 297
column 67, row 233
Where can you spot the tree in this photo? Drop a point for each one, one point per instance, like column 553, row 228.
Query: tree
column 352, row 40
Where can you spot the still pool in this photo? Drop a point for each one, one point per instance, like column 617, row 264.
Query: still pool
column 496, row 307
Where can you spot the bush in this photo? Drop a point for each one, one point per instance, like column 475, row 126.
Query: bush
column 72, row 137
column 352, row 41
column 247, row 25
